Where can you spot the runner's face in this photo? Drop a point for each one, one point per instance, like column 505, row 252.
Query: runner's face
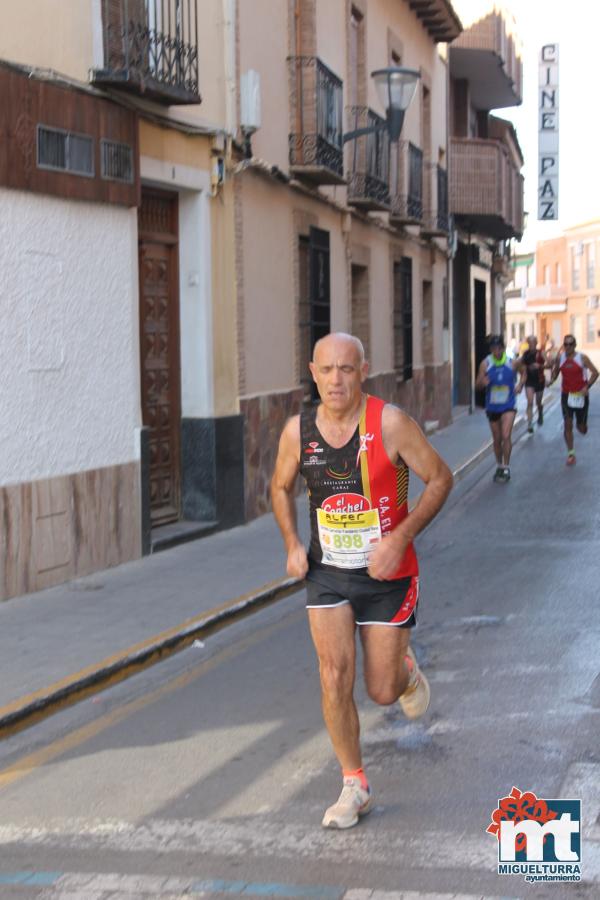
column 497, row 351
column 338, row 374
column 569, row 347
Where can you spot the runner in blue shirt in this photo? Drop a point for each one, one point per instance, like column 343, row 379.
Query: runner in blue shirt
column 498, row 375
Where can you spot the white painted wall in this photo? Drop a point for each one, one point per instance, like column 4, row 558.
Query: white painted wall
column 69, row 392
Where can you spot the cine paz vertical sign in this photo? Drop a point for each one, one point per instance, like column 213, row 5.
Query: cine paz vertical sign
column 548, row 133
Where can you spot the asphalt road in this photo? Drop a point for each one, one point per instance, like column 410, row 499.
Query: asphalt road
column 208, row 774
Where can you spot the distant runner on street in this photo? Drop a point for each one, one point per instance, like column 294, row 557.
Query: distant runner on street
column 535, row 382
column 574, row 398
column 498, row 375
column 355, row 452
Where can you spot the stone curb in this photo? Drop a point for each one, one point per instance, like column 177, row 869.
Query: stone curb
column 28, row 710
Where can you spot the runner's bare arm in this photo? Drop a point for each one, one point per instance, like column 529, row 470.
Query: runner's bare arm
column 403, row 438
column 520, row 367
column 555, row 369
column 482, row 379
column 283, row 482
column 591, row 369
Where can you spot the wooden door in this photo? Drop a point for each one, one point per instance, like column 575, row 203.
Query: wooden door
column 159, row 345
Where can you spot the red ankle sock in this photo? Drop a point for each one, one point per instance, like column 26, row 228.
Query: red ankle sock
column 357, row 773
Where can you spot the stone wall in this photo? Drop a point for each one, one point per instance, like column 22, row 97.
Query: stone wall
column 426, row 396
column 56, row 529
column 264, row 418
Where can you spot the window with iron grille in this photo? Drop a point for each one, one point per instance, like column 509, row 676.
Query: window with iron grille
column 442, row 199
column 65, row 151
column 314, row 313
column 446, row 304
column 360, row 322
column 116, row 161
column 415, row 182
column 403, row 324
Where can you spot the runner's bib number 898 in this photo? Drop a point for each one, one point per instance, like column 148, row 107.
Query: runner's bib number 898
column 347, row 539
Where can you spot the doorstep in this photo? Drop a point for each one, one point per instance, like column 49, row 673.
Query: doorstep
column 175, row 533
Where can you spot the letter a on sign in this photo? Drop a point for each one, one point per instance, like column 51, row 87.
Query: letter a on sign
column 548, row 120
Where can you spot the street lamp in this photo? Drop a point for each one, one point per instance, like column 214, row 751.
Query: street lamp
column 396, row 87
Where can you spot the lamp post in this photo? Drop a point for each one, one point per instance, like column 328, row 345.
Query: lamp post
column 396, row 87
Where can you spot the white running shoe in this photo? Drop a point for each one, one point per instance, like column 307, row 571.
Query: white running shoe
column 352, row 803
column 415, row 699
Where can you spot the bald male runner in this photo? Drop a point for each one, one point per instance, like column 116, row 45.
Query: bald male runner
column 355, row 452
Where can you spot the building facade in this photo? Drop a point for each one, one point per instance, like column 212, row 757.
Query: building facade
column 518, row 321
column 486, row 186
column 340, row 236
column 564, row 296
column 186, row 216
column 119, row 265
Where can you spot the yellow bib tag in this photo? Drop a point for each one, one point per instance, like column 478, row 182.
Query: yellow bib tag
column 348, row 538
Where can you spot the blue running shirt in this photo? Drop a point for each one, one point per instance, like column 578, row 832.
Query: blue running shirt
column 500, row 392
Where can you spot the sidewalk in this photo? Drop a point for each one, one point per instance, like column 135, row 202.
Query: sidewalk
column 63, row 643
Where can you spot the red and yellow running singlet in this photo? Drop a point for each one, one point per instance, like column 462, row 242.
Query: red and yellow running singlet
column 357, row 496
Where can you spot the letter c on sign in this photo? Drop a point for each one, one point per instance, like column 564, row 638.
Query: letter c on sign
column 549, row 53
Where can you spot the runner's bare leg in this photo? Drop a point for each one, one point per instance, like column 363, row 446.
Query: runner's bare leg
column 332, row 632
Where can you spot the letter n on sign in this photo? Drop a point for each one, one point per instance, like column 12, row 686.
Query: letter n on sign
column 548, row 119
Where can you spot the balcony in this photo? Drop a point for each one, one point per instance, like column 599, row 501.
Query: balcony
column 151, row 49
column 546, row 298
column 438, row 18
column 488, row 57
column 368, row 162
column 315, row 140
column 486, row 187
column 436, row 218
column 406, row 162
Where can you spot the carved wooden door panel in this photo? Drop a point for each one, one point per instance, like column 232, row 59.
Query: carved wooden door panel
column 159, row 345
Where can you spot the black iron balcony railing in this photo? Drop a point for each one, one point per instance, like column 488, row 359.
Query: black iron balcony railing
column 407, row 184
column 315, row 140
column 443, row 215
column 436, row 218
column 368, row 162
column 151, row 48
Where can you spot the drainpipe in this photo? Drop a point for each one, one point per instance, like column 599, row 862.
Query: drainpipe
column 229, row 65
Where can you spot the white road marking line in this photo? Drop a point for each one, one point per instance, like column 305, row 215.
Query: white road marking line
column 272, row 839
column 414, row 895
column 582, row 782
column 267, row 839
column 290, row 773
column 475, row 722
column 96, row 886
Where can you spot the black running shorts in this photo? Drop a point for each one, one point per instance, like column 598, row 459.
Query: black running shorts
column 373, row 602
column 496, row 416
column 581, row 415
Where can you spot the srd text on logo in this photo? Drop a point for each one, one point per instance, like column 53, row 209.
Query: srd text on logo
column 539, row 839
